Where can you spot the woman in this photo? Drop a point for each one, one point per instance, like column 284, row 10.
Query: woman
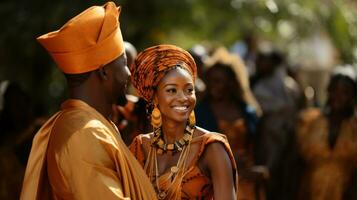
column 182, row 160
column 234, row 115
column 327, row 141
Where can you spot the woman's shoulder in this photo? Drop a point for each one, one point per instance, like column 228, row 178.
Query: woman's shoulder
column 145, row 137
column 309, row 119
column 202, row 134
column 205, row 138
column 310, row 115
column 140, row 145
column 213, row 142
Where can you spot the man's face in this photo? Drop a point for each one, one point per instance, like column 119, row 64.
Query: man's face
column 117, row 80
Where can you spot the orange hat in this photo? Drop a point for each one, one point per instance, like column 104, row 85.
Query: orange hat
column 87, row 41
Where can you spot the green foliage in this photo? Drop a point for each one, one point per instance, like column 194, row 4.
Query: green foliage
column 181, row 22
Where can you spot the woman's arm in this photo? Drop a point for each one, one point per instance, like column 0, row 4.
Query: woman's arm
column 218, row 163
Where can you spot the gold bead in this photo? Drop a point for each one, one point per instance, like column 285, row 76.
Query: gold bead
column 174, row 169
column 160, row 142
column 170, row 147
column 162, row 195
column 159, row 151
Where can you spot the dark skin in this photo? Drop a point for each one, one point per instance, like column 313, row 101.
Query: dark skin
column 103, row 86
column 176, row 99
column 340, row 102
column 222, row 103
column 225, row 107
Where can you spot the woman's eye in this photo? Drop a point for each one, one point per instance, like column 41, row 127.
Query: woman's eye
column 190, row 90
column 171, row 90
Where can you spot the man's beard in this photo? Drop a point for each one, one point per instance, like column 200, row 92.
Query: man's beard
column 121, row 100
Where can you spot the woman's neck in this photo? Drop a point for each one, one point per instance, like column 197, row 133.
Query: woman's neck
column 172, row 130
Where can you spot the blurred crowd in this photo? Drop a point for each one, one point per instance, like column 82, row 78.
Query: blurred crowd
column 293, row 134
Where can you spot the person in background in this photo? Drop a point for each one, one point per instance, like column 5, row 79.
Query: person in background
column 78, row 153
column 327, row 140
column 226, row 109
column 200, row 55
column 18, row 126
column 280, row 98
column 130, row 51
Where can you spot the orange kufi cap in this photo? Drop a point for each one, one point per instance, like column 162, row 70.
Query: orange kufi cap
column 87, row 41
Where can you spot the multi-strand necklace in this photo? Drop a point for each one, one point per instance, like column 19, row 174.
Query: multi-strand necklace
column 159, row 146
column 177, row 146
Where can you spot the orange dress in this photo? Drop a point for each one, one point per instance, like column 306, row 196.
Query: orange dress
column 237, row 135
column 195, row 184
column 328, row 169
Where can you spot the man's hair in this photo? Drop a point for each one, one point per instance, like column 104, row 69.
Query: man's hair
column 75, row 80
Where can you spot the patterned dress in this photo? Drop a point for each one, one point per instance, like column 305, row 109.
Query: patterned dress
column 195, row 184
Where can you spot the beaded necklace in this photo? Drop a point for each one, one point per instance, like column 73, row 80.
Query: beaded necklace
column 177, row 146
column 173, row 191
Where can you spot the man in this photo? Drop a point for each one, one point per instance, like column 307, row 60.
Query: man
column 78, row 153
column 126, row 117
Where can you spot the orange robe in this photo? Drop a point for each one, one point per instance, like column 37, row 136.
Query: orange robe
column 328, row 169
column 237, row 135
column 78, row 154
column 195, row 184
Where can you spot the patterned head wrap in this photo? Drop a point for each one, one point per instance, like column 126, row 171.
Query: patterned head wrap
column 153, row 63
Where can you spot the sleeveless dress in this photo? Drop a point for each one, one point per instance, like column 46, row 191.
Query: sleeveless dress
column 195, row 184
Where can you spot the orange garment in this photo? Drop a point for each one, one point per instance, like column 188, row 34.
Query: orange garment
column 78, row 154
column 237, row 135
column 328, row 169
column 195, row 184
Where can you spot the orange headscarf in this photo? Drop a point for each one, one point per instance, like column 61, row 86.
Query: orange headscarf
column 151, row 65
column 87, row 41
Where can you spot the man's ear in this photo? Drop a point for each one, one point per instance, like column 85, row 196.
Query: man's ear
column 103, row 73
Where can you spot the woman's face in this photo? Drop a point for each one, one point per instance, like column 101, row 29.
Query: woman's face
column 217, row 83
column 175, row 95
column 340, row 95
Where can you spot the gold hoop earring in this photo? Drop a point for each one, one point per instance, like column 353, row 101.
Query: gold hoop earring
column 156, row 120
column 192, row 119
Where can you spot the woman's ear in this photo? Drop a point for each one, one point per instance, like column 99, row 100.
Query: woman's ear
column 155, row 100
column 103, row 74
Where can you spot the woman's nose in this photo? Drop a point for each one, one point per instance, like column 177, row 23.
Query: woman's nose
column 182, row 96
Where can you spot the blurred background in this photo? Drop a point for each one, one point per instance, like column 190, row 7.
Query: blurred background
column 308, row 38
column 315, row 34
